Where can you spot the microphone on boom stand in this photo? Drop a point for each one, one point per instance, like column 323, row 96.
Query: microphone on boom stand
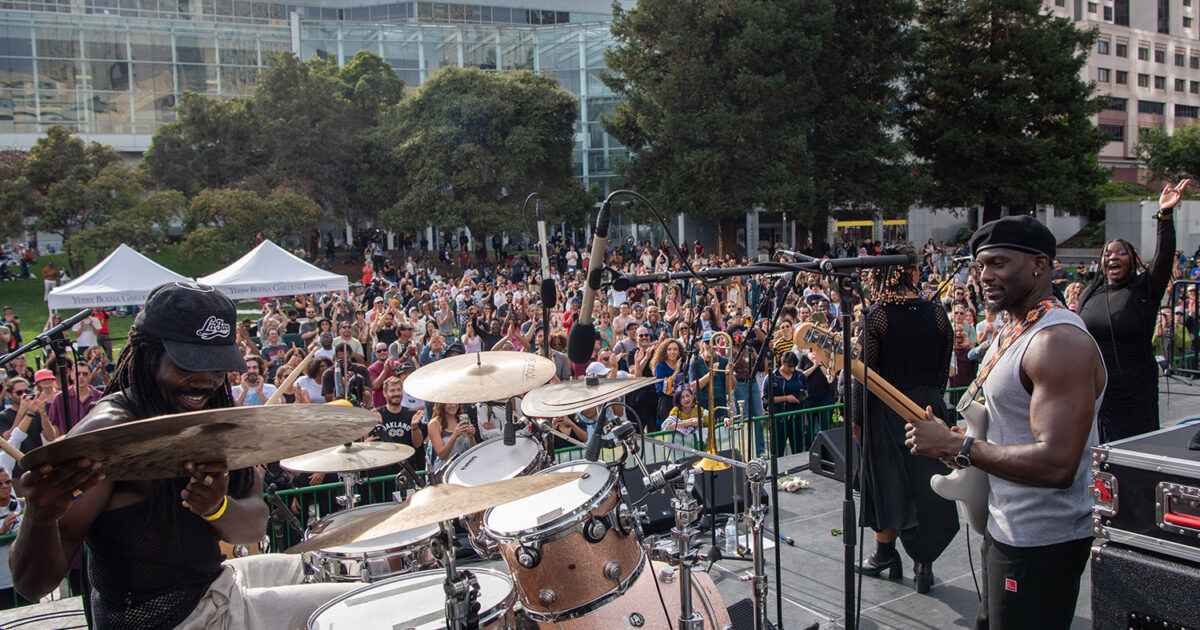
column 583, row 332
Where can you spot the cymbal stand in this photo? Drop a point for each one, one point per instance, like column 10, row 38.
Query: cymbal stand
column 461, row 587
column 350, row 498
column 687, row 510
column 756, row 474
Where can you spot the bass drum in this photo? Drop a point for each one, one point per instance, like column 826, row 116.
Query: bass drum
column 369, row 560
column 640, row 606
column 415, row 602
column 487, row 462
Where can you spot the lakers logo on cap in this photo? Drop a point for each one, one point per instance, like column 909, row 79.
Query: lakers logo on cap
column 213, row 327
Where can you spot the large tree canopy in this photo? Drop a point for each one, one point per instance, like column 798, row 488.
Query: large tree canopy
column 1170, row 157
column 473, row 144
column 717, row 102
column 998, row 112
column 228, row 222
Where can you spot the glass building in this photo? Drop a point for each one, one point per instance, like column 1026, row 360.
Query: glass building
column 112, row 70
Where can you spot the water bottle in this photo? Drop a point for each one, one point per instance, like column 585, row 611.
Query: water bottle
column 731, row 536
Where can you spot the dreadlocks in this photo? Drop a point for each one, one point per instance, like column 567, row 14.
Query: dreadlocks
column 888, row 284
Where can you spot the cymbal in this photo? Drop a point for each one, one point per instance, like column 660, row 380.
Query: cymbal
column 157, row 448
column 564, row 399
column 430, row 505
column 351, row 457
column 479, row 377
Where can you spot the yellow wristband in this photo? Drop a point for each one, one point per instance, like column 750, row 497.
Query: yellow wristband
column 216, row 515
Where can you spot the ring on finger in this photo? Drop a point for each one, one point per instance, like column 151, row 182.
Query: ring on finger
column 208, row 480
column 76, row 493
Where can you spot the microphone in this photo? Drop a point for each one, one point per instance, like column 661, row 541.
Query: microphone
column 796, row 255
column 592, row 452
column 864, row 262
column 963, row 259
column 510, row 427
column 66, row 324
column 583, row 332
column 541, row 229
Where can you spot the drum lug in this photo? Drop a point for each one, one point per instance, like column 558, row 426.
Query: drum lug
column 595, row 529
column 528, row 556
column 546, row 597
column 612, row 570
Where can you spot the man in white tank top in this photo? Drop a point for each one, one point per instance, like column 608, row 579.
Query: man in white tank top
column 1042, row 396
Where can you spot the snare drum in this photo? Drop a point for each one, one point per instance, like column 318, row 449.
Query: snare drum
column 415, row 602
column 492, row 461
column 369, row 560
column 570, row 548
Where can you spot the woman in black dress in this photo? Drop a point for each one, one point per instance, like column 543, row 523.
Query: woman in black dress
column 1119, row 308
column 908, row 343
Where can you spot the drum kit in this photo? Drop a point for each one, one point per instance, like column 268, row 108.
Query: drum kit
column 568, row 534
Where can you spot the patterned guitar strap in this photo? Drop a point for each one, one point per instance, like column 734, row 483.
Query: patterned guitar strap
column 976, row 388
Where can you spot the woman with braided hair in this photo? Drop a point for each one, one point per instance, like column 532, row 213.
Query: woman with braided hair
column 153, row 555
column 908, row 343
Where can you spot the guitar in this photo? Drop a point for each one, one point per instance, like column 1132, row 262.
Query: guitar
column 967, row 486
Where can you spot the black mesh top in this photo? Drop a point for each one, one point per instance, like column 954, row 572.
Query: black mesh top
column 911, row 328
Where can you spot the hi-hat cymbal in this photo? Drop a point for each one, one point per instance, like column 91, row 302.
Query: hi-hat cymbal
column 479, row 377
column 429, row 505
column 157, row 448
column 564, row 399
column 352, row 457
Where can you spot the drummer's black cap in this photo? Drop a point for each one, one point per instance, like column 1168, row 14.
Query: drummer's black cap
column 454, row 349
column 1022, row 233
column 196, row 325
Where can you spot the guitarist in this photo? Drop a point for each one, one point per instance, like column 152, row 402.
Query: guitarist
column 1043, row 381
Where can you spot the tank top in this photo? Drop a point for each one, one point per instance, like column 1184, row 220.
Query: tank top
column 1021, row 515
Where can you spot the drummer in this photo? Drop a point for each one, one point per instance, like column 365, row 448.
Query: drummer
column 153, row 554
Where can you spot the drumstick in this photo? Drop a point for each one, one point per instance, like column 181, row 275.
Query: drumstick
column 11, row 450
column 287, row 382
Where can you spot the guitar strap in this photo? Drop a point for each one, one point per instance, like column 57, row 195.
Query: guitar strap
column 1031, row 318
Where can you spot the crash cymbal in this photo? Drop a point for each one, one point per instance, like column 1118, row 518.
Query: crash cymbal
column 430, row 505
column 479, row 377
column 564, row 399
column 157, row 448
column 351, row 457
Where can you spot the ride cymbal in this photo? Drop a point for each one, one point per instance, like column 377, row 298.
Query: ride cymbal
column 564, row 399
column 479, row 377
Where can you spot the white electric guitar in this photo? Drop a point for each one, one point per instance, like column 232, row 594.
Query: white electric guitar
column 968, row 486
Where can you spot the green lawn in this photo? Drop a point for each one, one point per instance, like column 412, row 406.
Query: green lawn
column 25, row 296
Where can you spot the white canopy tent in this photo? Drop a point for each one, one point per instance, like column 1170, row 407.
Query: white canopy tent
column 124, row 278
column 269, row 271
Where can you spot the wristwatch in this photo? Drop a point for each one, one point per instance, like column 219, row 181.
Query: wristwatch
column 963, row 459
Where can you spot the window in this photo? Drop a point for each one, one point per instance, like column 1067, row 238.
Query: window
column 1194, row 87
column 1143, row 53
column 1115, row 133
column 1116, row 104
column 1160, row 83
column 1060, row 3
column 1179, row 56
column 1102, row 75
column 1187, row 111
column 1122, row 50
column 1160, row 55
column 1122, row 77
column 1102, row 46
column 1108, row 14
column 1187, row 22
column 1151, row 107
column 1180, row 85
column 1143, row 80
column 1194, row 62
column 1187, row 3
column 1092, row 7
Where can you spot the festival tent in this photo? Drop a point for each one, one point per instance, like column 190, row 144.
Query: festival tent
column 124, row 278
column 270, row 271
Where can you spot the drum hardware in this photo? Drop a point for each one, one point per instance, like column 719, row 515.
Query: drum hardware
column 350, row 498
column 461, row 587
column 281, row 507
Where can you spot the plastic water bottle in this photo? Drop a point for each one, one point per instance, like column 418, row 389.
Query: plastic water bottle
column 731, row 536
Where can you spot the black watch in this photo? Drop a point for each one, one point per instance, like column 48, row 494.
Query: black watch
column 963, row 459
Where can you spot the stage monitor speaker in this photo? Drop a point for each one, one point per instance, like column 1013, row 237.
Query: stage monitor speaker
column 827, row 457
column 723, row 489
column 1137, row 589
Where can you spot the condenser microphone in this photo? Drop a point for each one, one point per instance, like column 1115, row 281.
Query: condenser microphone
column 592, row 452
column 583, row 333
column 510, row 427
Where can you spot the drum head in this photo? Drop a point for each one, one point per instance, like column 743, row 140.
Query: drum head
column 493, row 461
column 390, row 541
column 411, row 601
column 545, row 507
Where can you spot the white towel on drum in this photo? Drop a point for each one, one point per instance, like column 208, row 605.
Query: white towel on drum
column 265, row 592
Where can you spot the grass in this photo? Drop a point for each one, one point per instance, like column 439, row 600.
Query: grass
column 25, row 296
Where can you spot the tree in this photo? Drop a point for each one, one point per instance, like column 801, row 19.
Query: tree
column 717, row 103
column 64, row 187
column 1170, row 157
column 227, row 222
column 859, row 159
column 473, row 144
column 13, row 195
column 997, row 111
column 210, row 144
column 141, row 225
